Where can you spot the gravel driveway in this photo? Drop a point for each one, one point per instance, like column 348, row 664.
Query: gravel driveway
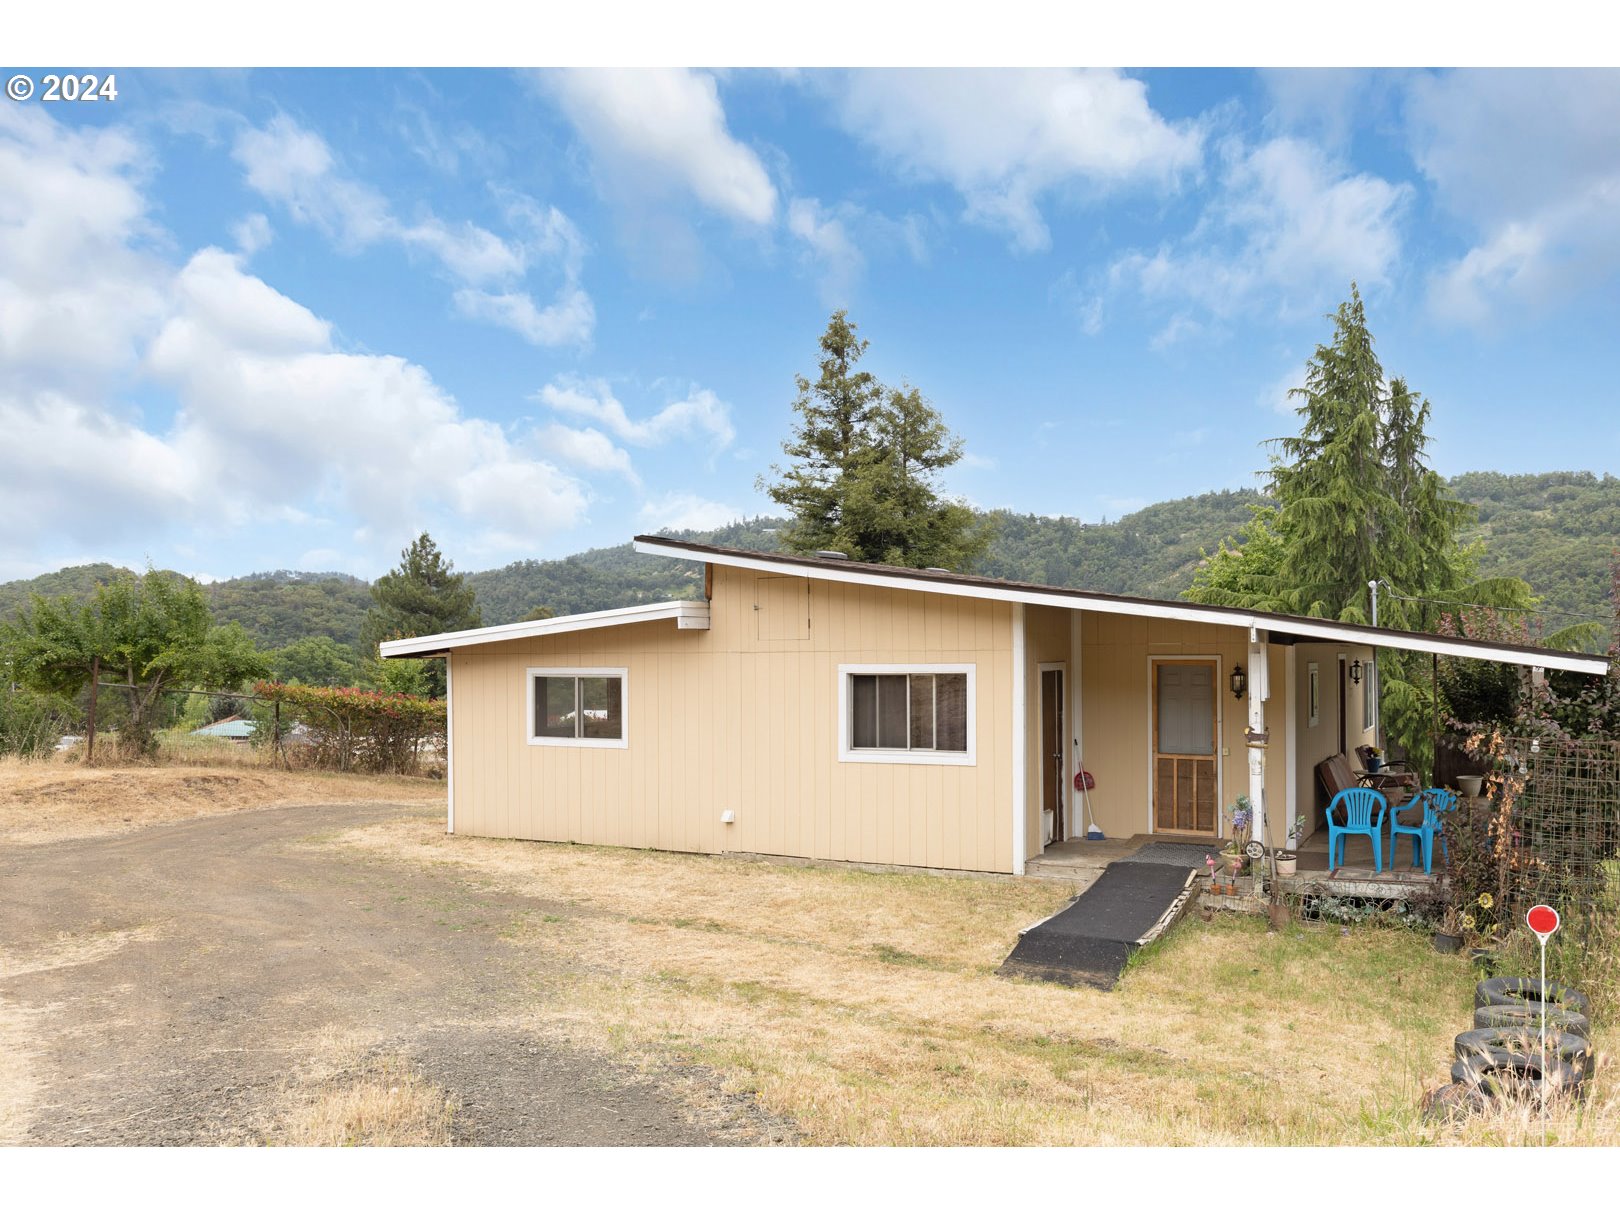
column 167, row 986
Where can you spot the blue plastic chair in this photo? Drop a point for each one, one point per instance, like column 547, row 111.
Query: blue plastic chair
column 1435, row 803
column 1364, row 811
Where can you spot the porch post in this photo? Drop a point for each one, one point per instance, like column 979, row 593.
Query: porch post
column 1020, row 790
column 1259, row 692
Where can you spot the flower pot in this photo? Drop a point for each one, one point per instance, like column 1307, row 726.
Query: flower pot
column 1470, row 785
column 1447, row 942
column 1287, row 862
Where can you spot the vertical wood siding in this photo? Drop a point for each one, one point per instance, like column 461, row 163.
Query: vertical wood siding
column 743, row 717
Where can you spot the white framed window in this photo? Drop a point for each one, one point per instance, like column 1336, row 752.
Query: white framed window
column 906, row 713
column 578, row 707
column 1369, row 695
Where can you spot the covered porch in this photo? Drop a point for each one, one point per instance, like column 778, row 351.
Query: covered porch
column 1079, row 861
column 1179, row 714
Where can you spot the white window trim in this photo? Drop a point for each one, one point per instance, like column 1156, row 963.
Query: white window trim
column 849, row 754
column 623, row 675
column 1369, row 675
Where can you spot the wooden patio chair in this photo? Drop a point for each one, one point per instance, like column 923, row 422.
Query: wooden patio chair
column 1395, row 779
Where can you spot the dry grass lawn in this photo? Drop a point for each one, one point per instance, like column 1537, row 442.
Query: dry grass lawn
column 49, row 799
column 865, row 1008
column 349, row 1096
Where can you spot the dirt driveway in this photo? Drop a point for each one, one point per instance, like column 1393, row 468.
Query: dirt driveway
column 195, row 983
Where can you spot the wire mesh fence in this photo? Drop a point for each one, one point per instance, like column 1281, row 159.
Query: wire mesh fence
column 1547, row 832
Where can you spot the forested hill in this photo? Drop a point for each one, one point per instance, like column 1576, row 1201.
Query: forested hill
column 1152, row 552
column 1556, row 530
column 275, row 608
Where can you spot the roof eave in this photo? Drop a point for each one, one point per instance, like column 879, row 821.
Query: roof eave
column 687, row 614
column 1063, row 597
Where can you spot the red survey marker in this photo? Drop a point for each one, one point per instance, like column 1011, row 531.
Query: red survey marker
column 1543, row 920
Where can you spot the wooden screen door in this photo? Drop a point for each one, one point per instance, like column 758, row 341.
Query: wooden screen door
column 1184, row 797
column 1053, row 786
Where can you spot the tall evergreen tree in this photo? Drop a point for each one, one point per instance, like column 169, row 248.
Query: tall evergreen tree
column 421, row 595
column 1355, row 502
column 830, row 443
column 866, row 462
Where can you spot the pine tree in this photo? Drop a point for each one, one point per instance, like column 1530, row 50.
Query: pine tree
column 864, row 480
column 420, row 596
column 1356, row 502
column 830, row 444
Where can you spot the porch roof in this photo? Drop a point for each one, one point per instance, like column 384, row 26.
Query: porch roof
column 686, row 613
column 1281, row 627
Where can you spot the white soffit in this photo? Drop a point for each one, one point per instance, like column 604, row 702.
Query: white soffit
column 687, row 614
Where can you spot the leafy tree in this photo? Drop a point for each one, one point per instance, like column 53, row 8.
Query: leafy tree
column 865, row 465
column 406, row 676
column 58, row 647
column 316, row 661
column 422, row 595
column 1356, row 502
column 154, row 632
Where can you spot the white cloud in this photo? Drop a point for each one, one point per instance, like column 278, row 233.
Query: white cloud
column 835, row 242
column 268, row 402
column 655, row 129
column 828, row 246
column 589, row 449
column 251, row 234
column 699, row 413
column 1003, row 139
column 294, row 167
column 79, row 287
column 271, row 416
column 1529, row 159
column 686, row 512
column 1288, row 227
column 567, row 321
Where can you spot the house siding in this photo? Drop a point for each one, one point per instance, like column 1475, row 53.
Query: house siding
column 743, row 716
column 1116, row 704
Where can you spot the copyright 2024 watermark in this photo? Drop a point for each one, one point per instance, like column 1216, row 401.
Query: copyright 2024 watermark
column 63, row 86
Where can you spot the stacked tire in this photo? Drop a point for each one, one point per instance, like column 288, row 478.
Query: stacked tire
column 1504, row 1057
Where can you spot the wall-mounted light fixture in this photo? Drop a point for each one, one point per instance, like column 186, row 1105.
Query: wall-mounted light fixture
column 1355, row 671
column 1239, row 682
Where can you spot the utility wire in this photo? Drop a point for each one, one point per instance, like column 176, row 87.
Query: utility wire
column 1495, row 607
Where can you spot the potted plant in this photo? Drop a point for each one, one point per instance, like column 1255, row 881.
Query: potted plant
column 1286, row 859
column 1240, row 815
column 1449, row 937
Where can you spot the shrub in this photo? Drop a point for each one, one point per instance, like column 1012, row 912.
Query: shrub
column 31, row 723
column 353, row 730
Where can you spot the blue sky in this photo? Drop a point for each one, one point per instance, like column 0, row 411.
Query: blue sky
column 259, row 319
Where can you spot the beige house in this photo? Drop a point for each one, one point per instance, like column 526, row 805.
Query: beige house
column 825, row 708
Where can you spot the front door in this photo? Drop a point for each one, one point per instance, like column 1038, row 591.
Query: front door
column 1184, row 775
column 1053, row 786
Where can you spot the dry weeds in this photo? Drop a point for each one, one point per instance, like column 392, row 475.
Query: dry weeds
column 864, row 1007
column 46, row 800
column 352, row 1097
